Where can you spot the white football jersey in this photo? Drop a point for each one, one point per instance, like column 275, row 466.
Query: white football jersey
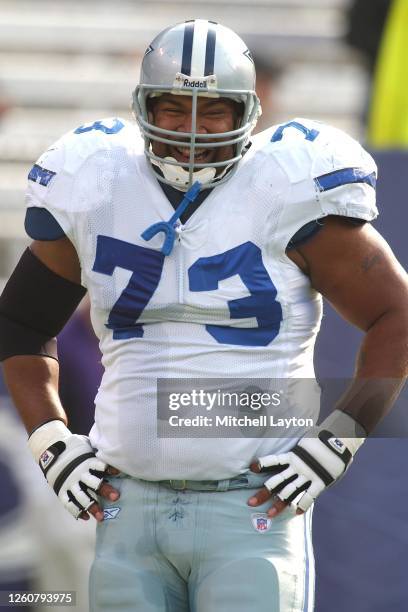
column 227, row 302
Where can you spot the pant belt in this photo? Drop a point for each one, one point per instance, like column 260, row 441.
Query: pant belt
column 238, row 482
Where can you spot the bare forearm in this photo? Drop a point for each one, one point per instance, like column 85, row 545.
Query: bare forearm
column 381, row 370
column 33, row 385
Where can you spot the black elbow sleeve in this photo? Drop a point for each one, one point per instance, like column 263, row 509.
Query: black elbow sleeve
column 34, row 307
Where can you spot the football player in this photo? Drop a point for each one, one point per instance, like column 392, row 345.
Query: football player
column 205, row 253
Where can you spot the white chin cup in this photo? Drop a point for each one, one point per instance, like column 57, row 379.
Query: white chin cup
column 177, row 174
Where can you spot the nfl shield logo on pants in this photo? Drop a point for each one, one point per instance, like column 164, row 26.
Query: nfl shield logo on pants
column 261, row 522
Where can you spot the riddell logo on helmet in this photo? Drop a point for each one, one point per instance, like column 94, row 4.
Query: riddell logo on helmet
column 200, row 84
column 184, row 81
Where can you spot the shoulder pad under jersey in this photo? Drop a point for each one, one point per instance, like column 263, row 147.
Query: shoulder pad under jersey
column 52, row 178
column 306, row 149
column 326, row 172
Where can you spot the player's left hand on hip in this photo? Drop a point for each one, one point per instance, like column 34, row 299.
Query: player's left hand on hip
column 317, row 461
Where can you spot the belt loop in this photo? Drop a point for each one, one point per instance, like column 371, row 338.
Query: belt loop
column 223, row 485
column 178, row 485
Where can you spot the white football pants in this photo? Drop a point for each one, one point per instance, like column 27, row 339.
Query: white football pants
column 161, row 549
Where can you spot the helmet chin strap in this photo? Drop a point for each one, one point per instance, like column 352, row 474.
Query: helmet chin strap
column 179, row 177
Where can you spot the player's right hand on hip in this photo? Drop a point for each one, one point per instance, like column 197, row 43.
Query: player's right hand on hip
column 70, row 466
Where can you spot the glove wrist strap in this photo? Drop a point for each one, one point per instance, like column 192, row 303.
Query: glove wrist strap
column 44, row 436
column 342, row 426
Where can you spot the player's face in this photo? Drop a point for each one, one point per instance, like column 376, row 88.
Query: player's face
column 214, row 116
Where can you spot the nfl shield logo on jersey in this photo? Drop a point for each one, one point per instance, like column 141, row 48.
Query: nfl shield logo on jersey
column 261, row 522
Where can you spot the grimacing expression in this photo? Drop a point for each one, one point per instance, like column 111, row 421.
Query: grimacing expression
column 173, row 112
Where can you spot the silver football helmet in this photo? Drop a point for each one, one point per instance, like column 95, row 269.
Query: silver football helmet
column 197, row 58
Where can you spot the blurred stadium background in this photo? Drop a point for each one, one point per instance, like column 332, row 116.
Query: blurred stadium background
column 69, row 62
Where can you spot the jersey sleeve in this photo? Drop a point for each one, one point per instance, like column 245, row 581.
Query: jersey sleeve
column 327, row 173
column 39, row 224
column 71, row 177
column 47, row 195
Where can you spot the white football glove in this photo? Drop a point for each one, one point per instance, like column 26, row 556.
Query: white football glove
column 316, row 462
column 69, row 464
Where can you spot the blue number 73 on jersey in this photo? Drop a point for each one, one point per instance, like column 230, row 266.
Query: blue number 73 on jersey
column 146, row 266
column 205, row 274
column 245, row 261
